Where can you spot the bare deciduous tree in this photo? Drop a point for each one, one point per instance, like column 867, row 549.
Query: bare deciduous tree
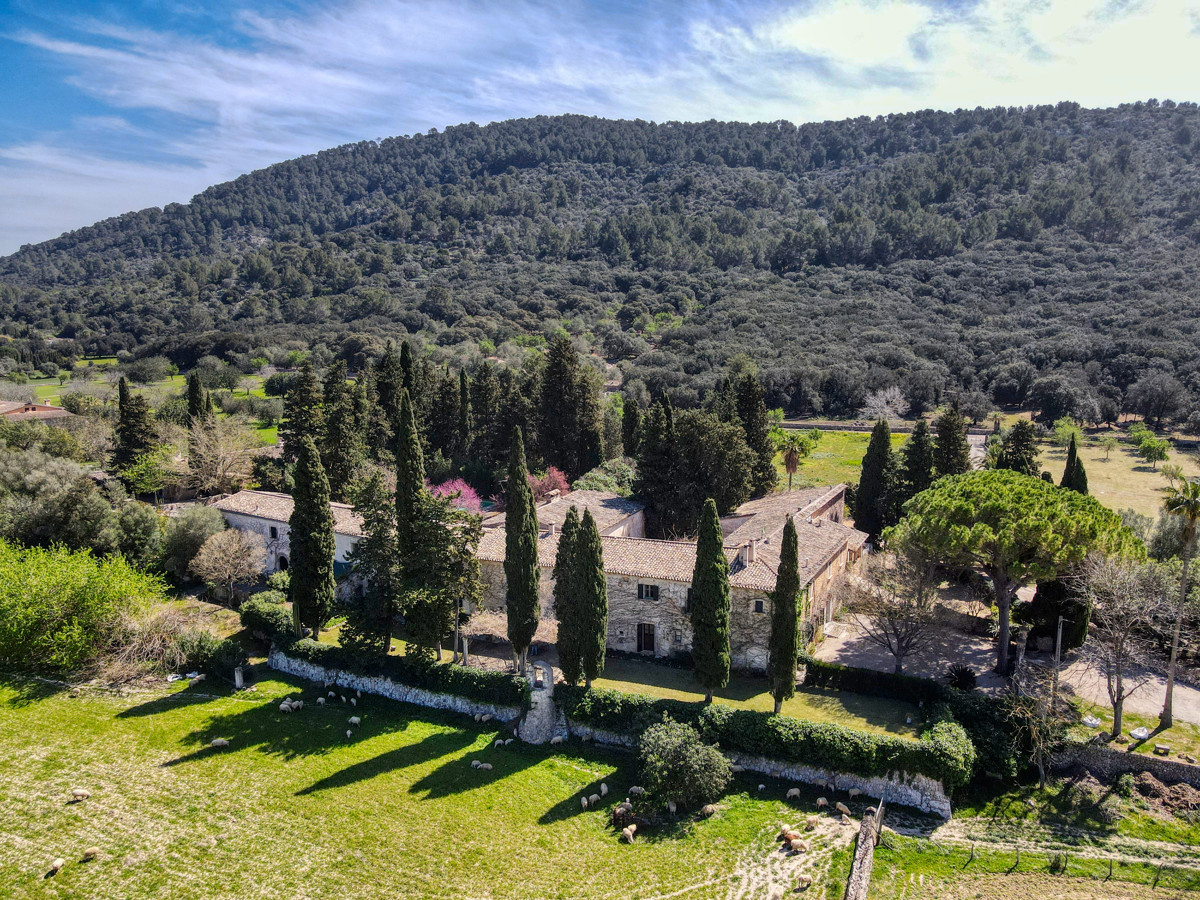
column 220, row 453
column 894, row 603
column 229, row 558
column 1034, row 716
column 887, row 404
column 1126, row 597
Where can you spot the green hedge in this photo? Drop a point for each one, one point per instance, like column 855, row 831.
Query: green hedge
column 944, row 751
column 461, row 681
column 836, row 677
column 261, row 613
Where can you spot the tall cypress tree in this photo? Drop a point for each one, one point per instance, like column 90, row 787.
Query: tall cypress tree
column 521, row 570
column 407, row 369
column 487, row 444
column 370, row 615
column 871, row 501
column 951, row 452
column 462, row 438
column 710, row 605
column 388, row 381
column 784, row 617
column 631, row 427
column 752, row 413
column 342, row 448
column 311, row 587
column 303, row 415
column 916, row 465
column 568, row 605
column 135, row 429
column 410, row 482
column 199, row 402
column 443, row 415
column 1074, row 475
column 658, row 481
column 1018, row 451
column 592, row 585
column 560, row 406
column 590, row 451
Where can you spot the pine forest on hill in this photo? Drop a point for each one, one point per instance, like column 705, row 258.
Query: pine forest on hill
column 1044, row 256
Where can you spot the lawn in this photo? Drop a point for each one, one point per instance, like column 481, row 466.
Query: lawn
column 1123, row 481
column 874, row 714
column 836, row 458
column 1181, row 737
column 294, row 808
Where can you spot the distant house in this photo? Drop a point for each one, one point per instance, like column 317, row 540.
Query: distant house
column 12, row 409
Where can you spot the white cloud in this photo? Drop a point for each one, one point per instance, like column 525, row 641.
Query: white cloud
column 305, row 80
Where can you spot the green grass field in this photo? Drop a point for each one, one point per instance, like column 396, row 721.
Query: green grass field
column 836, row 458
column 296, row 809
column 1123, row 481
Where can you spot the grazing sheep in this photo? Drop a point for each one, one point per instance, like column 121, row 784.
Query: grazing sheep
column 56, row 865
column 788, row 835
column 320, row 701
column 557, row 739
column 842, row 808
column 627, row 834
column 846, row 820
column 822, row 803
column 90, row 853
column 487, row 717
column 353, row 702
column 594, row 800
column 80, row 794
column 708, row 810
column 219, row 742
column 285, row 707
column 762, row 787
column 603, row 789
column 332, row 695
column 499, row 743
column 355, row 720
column 297, row 704
column 671, row 807
column 803, row 882
column 475, row 764
column 798, row 846
column 195, row 681
column 793, row 794
column 508, row 741
column 854, row 792
column 487, row 767
column 348, row 733
column 358, row 693
column 633, row 826
column 342, row 697
column 583, row 802
column 478, row 717
column 811, row 822
column 636, row 791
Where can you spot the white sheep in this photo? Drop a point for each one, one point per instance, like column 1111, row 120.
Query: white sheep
column 358, row 693
column 355, row 720
column 219, row 742
column 793, row 794
column 332, row 695
column 320, row 701
column 90, row 853
column 80, row 794
column 342, row 697
column 603, row 789
column 195, row 681
column 846, row 820
column 56, row 865
column 487, row 717
column 636, row 791
column 348, row 733
column 842, row 808
column 822, row 803
column 508, row 741
column 557, row 739
column 854, row 792
column 297, row 704
column 499, row 743
column 762, row 787
column 353, row 702
column 627, row 834
column 798, row 846
column 285, row 707
column 803, row 882
column 583, row 802
column 708, row 810
column 671, row 807
column 594, row 800
column 487, row 767
column 475, row 764
column 478, row 717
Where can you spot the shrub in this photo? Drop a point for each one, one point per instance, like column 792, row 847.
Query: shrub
column 226, row 656
column 677, row 765
column 280, row 581
column 470, row 684
column 262, row 614
column 836, row 677
column 961, row 677
column 197, row 649
column 186, row 535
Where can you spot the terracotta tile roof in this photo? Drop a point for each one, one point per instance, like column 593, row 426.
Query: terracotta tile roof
column 608, row 509
column 15, row 409
column 766, row 516
column 276, row 507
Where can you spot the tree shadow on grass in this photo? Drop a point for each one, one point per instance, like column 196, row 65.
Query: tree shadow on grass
column 430, row 748
column 456, row 776
column 28, row 689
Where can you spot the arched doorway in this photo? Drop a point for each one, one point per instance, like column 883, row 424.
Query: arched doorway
column 282, row 563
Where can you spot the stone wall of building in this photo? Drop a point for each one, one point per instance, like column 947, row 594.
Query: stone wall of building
column 275, row 535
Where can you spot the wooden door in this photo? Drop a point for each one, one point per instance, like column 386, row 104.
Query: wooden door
column 645, row 638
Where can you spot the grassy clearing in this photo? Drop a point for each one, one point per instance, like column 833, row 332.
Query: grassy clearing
column 1124, row 480
column 295, row 809
column 837, row 458
column 875, row 714
column 1181, row 737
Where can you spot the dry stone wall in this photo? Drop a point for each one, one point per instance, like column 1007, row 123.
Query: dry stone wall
column 1107, row 763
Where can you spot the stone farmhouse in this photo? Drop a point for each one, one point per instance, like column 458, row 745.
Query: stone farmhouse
column 16, row 410
column 649, row 581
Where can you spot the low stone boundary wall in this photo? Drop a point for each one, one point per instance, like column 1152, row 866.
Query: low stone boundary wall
column 918, row 791
column 858, row 885
column 385, row 687
column 1109, row 763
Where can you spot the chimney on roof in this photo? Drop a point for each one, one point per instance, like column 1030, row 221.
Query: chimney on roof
column 553, row 529
column 746, row 553
column 554, row 494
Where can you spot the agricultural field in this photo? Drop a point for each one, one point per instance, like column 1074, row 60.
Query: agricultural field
column 836, row 458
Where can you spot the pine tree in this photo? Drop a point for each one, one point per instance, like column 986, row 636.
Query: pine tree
column 303, row 415
column 871, row 500
column 1074, row 475
column 311, row 586
column 342, row 450
column 951, row 452
column 592, row 585
column 784, row 618
column 916, row 463
column 521, row 570
column 710, row 605
column 462, row 437
column 568, row 606
column 135, row 429
column 658, row 464
column 1018, row 451
column 631, row 428
column 410, row 482
column 752, row 413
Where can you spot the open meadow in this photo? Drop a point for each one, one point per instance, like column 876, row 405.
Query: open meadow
column 1122, row 480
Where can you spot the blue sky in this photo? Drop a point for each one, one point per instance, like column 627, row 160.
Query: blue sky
column 113, row 106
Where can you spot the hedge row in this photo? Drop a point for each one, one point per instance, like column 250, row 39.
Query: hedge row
column 836, row 677
column 460, row 681
column 944, row 751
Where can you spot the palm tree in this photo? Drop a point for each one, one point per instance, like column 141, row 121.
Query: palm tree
column 794, row 446
column 1183, row 500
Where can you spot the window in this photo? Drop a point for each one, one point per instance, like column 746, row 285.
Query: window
column 760, row 606
column 647, row 591
column 274, row 532
column 687, row 603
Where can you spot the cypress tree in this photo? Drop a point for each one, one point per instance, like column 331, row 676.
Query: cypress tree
column 916, row 462
column 631, row 428
column 444, row 415
column 342, row 449
column 311, row 587
column 1074, row 476
column 592, row 585
column 658, row 482
column 568, row 605
column 407, row 369
column 370, row 615
column 1018, row 452
column 783, row 618
column 410, row 482
column 710, row 605
column 199, row 403
column 303, row 415
column 521, row 570
column 951, row 452
column 752, row 413
column 561, row 415
column 462, row 440
column 387, row 381
column 135, row 429
column 486, row 443
column 590, row 452
column 871, row 500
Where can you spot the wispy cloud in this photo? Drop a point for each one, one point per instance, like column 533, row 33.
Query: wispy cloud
column 272, row 85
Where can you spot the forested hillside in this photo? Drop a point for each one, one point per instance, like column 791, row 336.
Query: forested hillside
column 1047, row 256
